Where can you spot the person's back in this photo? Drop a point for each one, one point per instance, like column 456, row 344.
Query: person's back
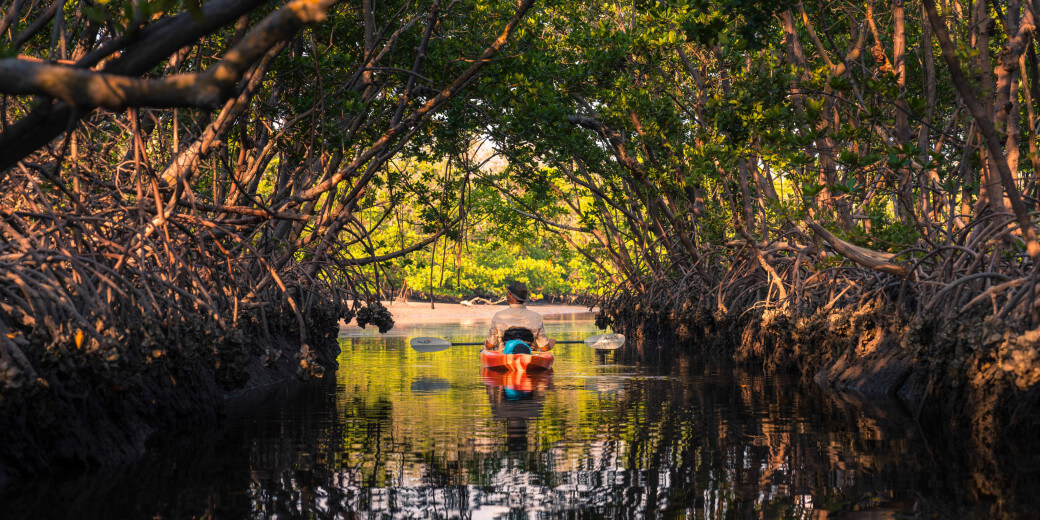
column 517, row 316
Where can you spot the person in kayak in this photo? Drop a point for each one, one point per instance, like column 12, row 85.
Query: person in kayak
column 517, row 328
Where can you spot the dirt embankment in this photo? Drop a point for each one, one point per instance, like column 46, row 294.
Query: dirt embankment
column 421, row 313
column 972, row 383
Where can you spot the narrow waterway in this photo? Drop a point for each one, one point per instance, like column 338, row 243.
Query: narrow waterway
column 399, row 434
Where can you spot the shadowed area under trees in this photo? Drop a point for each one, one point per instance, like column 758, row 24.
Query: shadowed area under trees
column 181, row 184
column 846, row 188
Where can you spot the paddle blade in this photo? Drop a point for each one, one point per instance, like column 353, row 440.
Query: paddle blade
column 610, row 341
column 430, row 344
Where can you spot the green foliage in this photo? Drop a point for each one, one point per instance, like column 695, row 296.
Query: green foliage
column 488, row 265
column 882, row 231
column 622, row 127
column 495, row 245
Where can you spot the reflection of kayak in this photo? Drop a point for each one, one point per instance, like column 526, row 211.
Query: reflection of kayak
column 517, row 381
column 516, row 395
column 495, row 360
column 517, row 398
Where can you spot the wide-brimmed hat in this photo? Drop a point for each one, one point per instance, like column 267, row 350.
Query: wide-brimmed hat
column 518, row 290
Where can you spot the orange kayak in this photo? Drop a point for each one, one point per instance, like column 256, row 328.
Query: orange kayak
column 494, row 360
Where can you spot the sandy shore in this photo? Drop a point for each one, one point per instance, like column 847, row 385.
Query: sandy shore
column 420, row 313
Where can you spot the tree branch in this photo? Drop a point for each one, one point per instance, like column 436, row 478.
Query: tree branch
column 985, row 126
column 868, row 258
column 208, row 89
column 151, row 45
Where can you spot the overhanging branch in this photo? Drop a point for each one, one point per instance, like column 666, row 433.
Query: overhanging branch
column 876, row 260
column 208, row 89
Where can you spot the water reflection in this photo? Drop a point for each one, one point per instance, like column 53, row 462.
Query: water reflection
column 517, row 398
column 429, row 385
column 399, row 434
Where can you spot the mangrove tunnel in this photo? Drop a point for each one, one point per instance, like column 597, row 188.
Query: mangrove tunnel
column 197, row 195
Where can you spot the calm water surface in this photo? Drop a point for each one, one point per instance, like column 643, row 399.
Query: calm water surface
column 398, row 434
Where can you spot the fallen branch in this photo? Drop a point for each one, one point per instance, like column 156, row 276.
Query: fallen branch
column 482, row 301
column 876, row 260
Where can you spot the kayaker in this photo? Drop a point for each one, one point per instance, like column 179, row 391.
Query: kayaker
column 517, row 316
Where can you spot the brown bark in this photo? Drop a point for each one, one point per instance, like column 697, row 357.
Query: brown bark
column 1030, row 90
column 150, row 45
column 985, row 126
column 654, row 203
column 89, row 89
column 876, row 260
column 184, row 163
column 421, row 114
column 826, row 148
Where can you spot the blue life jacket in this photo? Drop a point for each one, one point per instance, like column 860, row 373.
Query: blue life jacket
column 516, row 346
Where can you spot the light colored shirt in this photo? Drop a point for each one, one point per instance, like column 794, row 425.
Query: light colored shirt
column 517, row 315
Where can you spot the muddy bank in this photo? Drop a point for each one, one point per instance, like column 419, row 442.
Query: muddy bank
column 79, row 412
column 971, row 383
column 407, row 313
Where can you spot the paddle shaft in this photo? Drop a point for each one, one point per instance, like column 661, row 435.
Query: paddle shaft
column 481, row 343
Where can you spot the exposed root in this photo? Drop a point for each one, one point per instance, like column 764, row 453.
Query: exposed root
column 956, row 339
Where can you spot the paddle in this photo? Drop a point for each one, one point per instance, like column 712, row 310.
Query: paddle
column 609, row 341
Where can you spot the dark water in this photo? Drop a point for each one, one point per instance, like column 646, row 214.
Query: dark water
column 397, row 434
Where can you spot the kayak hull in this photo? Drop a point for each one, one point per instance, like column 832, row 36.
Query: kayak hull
column 536, row 362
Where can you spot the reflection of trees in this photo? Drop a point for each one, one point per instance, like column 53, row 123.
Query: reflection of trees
column 722, row 446
column 704, row 443
column 717, row 445
column 707, row 443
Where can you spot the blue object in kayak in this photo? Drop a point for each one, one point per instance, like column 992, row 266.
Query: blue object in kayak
column 516, row 346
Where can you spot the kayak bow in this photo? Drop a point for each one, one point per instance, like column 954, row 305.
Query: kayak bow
column 494, row 360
